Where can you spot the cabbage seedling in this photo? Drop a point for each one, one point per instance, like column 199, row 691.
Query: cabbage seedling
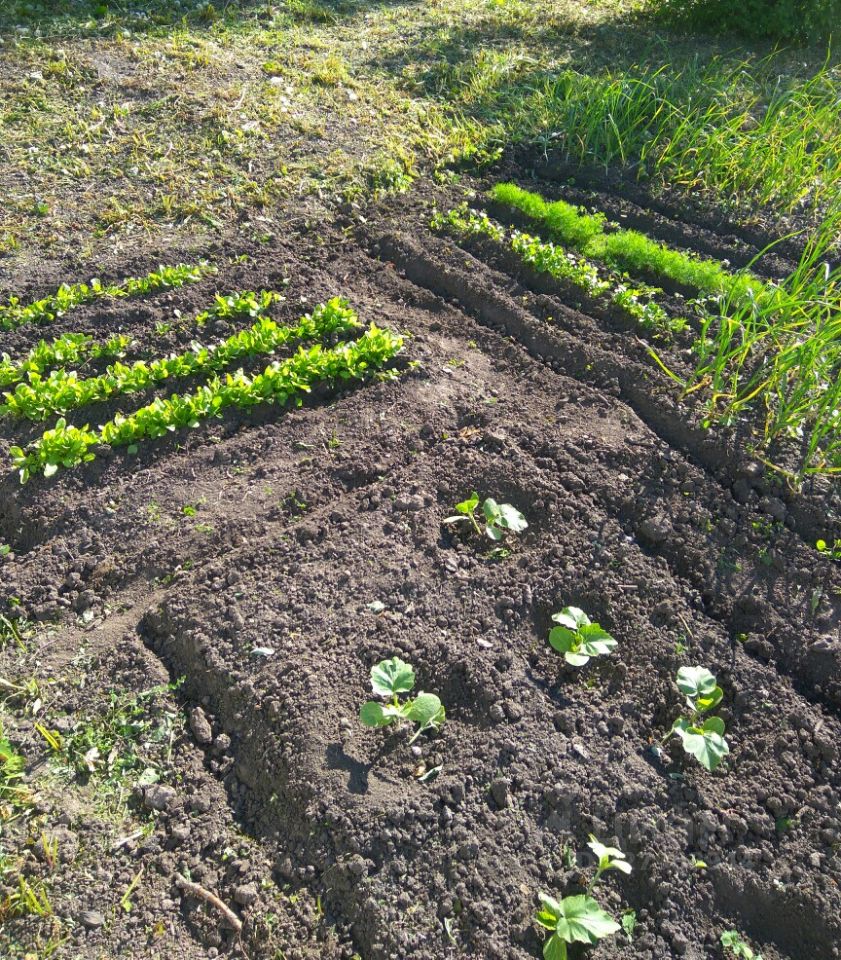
column 703, row 738
column 580, row 919
column 499, row 518
column 578, row 638
column 389, row 679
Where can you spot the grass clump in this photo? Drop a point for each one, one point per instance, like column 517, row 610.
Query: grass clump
column 806, row 20
column 782, row 354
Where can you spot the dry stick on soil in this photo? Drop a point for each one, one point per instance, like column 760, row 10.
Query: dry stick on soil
column 194, row 890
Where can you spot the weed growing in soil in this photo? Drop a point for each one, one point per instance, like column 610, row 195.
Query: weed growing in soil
column 579, row 918
column 736, row 946
column 832, row 551
column 14, row 314
column 578, row 638
column 13, row 796
column 499, row 518
column 125, row 742
column 702, row 738
column 389, row 679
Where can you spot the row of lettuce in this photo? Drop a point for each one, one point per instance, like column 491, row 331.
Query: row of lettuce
column 323, row 349
column 765, row 352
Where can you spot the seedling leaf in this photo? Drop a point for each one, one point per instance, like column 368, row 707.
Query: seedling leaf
column 391, row 677
column 372, row 715
column 424, row 709
column 707, row 745
column 696, row 682
column 582, row 920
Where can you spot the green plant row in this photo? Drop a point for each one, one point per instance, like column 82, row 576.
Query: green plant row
column 637, row 301
column 73, row 348
column 64, row 351
column 628, row 250
column 63, row 391
column 281, row 382
column 15, row 314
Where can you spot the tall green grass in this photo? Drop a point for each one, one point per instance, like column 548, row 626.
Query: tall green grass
column 743, row 133
column 782, row 355
column 627, row 250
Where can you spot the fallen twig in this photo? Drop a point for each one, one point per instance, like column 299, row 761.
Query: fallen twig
column 194, row 890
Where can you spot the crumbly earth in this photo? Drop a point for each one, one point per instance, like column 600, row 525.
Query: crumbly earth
column 313, row 547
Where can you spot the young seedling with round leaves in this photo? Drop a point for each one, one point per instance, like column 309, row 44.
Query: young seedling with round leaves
column 735, row 945
column 390, row 679
column 702, row 737
column 578, row 638
column 499, row 518
column 579, row 918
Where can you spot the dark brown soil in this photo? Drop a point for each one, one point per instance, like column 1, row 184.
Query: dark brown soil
column 315, row 829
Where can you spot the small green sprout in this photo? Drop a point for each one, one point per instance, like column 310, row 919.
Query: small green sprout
column 610, row 858
column 832, row 551
column 703, row 738
column 629, row 923
column 579, row 918
column 389, row 679
column 732, row 941
column 499, row 518
column 578, row 638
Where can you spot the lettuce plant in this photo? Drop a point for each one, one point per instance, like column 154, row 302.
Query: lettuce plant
column 579, row 918
column 498, row 518
column 390, row 679
column 701, row 737
column 578, row 638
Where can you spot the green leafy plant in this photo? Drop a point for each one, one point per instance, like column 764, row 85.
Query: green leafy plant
column 626, row 249
column 608, row 858
column 15, row 314
column 732, row 942
column 702, row 737
column 832, row 551
column 498, row 519
column 638, row 302
column 579, row 918
column 629, row 923
column 390, row 679
column 578, row 638
column 65, row 350
column 282, row 382
column 63, row 391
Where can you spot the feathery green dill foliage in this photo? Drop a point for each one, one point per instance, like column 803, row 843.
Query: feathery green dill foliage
column 627, row 250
